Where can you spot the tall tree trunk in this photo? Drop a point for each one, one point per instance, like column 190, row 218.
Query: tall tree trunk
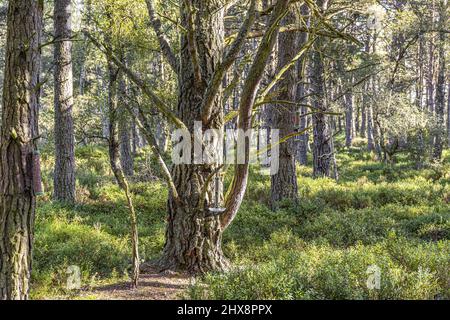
column 370, row 126
column 126, row 154
column 303, row 140
column 431, row 63
column 440, row 86
column 114, row 158
column 136, row 138
column 19, row 131
column 284, row 182
column 448, row 115
column 64, row 177
column 349, row 124
column 334, row 159
column 193, row 235
column 420, row 80
column 322, row 153
column 82, row 80
column 322, row 149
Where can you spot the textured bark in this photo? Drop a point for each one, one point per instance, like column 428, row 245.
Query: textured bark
column 420, row 80
column 349, row 124
column 440, row 88
column 448, row 114
column 85, row 49
column 64, row 176
column 136, row 138
column 430, row 70
column 162, row 39
column 363, row 129
column 370, row 135
column 17, row 141
column 303, row 140
column 322, row 149
column 251, row 85
column 126, row 154
column 284, row 182
column 193, row 236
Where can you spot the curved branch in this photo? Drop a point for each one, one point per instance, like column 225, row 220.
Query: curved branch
column 162, row 39
column 159, row 104
column 237, row 189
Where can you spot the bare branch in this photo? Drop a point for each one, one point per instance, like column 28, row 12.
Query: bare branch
column 159, row 104
column 162, row 39
column 238, row 187
column 146, row 129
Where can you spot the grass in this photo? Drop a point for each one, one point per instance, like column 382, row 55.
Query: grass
column 397, row 218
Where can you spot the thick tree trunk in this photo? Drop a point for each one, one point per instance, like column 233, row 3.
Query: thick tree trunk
column 17, row 142
column 64, row 176
column 193, row 234
column 284, row 182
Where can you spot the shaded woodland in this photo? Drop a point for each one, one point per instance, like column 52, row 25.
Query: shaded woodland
column 350, row 99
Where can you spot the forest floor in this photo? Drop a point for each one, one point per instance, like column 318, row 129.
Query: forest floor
column 392, row 218
column 153, row 285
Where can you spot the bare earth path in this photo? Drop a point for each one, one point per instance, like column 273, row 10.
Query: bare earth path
column 153, row 285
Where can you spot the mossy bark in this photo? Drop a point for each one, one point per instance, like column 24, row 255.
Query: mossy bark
column 19, row 132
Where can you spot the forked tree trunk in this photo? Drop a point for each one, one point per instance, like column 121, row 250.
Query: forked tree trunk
column 193, row 236
column 194, row 233
column 19, row 131
column 64, row 177
column 284, row 182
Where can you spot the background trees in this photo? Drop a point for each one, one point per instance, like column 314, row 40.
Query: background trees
column 64, row 179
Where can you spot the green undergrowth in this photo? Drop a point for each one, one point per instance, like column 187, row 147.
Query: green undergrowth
column 394, row 217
